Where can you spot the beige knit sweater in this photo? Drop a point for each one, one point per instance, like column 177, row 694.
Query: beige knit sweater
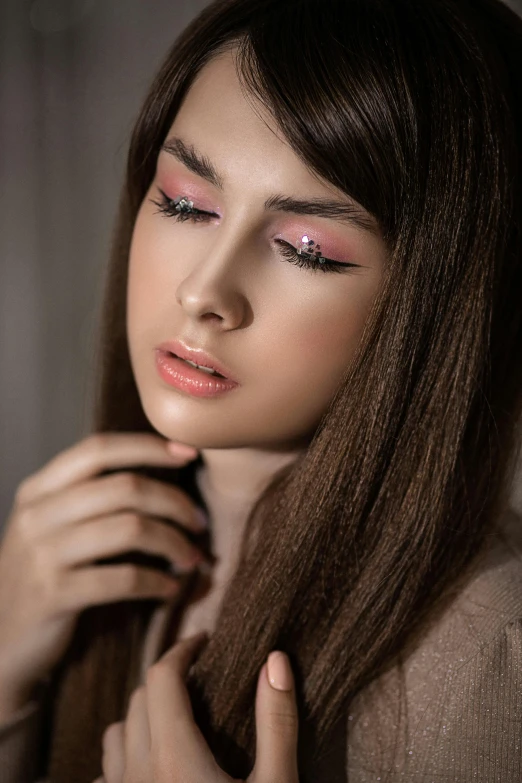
column 460, row 716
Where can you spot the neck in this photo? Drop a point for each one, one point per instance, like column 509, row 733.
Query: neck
column 230, row 482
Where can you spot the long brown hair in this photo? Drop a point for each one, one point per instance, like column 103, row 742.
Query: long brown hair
column 414, row 109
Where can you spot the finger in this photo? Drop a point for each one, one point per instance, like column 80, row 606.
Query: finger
column 137, row 735
column 96, row 453
column 111, row 535
column 84, row 587
column 276, row 722
column 113, row 758
column 170, row 713
column 123, row 491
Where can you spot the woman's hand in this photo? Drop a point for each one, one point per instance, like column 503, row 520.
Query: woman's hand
column 66, row 517
column 159, row 742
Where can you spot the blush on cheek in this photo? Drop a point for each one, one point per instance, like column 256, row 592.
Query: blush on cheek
column 322, row 342
column 314, row 342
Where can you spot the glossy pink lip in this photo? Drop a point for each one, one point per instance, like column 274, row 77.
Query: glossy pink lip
column 196, row 355
column 186, row 378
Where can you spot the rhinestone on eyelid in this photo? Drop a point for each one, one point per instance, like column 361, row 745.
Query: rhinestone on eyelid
column 183, row 202
column 306, row 248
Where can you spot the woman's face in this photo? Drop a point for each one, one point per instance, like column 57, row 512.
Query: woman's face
column 222, row 284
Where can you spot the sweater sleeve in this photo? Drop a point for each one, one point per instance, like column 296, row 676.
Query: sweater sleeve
column 21, row 743
column 466, row 728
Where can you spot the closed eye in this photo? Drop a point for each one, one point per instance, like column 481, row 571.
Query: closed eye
column 310, row 261
column 167, row 206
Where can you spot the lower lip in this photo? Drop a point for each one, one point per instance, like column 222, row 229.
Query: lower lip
column 183, row 376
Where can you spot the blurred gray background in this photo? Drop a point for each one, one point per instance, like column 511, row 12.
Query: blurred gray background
column 73, row 74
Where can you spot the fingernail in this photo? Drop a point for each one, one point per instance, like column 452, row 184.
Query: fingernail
column 201, row 518
column 279, row 671
column 180, row 450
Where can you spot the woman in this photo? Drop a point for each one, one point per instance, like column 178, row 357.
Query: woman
column 323, row 202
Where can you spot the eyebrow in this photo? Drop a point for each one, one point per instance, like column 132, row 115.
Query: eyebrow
column 342, row 211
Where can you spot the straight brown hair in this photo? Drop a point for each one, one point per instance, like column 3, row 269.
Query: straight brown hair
column 414, row 109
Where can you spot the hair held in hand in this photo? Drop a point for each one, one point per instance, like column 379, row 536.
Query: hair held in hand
column 415, row 110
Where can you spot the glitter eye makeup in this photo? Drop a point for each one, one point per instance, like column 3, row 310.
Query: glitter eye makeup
column 306, row 255
column 309, row 249
column 182, row 208
column 309, row 257
column 306, row 247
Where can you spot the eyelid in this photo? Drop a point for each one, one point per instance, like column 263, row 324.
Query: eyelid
column 294, row 248
column 333, row 261
column 192, row 198
column 197, row 210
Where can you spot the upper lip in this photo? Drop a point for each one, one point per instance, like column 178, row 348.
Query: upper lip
column 196, row 355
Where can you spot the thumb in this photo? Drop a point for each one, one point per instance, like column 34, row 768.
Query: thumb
column 276, row 722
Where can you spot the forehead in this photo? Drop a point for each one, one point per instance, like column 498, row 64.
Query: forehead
column 223, row 119
column 237, row 137
column 237, row 132
column 218, row 94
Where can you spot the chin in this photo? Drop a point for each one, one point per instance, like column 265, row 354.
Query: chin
column 184, row 429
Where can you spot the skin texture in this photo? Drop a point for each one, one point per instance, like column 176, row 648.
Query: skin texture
column 286, row 333
column 159, row 742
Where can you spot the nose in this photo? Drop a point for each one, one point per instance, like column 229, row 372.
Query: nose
column 214, row 290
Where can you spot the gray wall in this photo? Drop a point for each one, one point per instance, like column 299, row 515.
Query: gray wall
column 72, row 77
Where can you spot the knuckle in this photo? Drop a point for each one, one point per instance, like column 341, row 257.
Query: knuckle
column 111, row 732
column 133, row 527
column 23, row 491
column 97, row 441
column 155, row 672
column 96, row 445
column 129, row 484
column 26, row 521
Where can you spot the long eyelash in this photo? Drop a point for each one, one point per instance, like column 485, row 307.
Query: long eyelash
column 303, row 260
column 167, row 207
column 309, row 261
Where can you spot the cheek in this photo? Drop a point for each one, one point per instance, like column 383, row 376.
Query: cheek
column 331, row 335
column 143, row 303
column 146, row 285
